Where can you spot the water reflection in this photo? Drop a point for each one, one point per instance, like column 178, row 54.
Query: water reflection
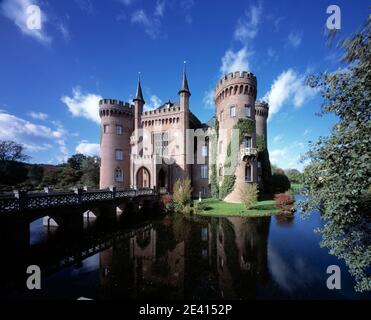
column 197, row 258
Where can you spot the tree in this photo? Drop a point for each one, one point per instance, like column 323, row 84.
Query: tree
column 280, row 182
column 35, row 174
column 294, row 175
column 339, row 175
column 182, row 193
column 76, row 161
column 12, row 151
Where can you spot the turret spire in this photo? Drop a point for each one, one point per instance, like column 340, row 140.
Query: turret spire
column 139, row 94
column 184, row 87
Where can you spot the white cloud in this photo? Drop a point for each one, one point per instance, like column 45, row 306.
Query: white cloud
column 247, row 27
column 187, row 6
column 307, row 131
column 235, row 61
column 84, row 105
column 85, row 6
column 277, row 138
column 16, row 10
column 38, row 115
column 160, row 8
column 64, row 31
column 295, row 39
column 89, row 149
column 208, row 99
column 154, row 102
column 288, row 87
column 34, row 137
column 151, row 25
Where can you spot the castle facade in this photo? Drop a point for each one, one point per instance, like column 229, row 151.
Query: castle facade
column 154, row 148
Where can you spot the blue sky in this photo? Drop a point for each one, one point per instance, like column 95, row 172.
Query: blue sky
column 52, row 78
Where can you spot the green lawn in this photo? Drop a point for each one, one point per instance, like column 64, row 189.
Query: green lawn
column 216, row 207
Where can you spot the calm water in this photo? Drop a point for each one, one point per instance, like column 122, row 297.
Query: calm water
column 199, row 258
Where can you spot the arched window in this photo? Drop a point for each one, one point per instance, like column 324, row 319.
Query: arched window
column 119, row 175
column 248, row 173
column 232, row 111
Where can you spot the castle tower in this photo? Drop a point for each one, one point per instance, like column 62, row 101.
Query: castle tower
column 235, row 96
column 184, row 95
column 261, row 115
column 116, row 128
column 138, row 106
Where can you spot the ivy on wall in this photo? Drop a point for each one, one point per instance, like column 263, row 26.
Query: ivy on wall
column 245, row 126
column 214, row 175
column 263, row 157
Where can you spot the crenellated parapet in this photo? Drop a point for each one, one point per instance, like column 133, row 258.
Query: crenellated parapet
column 236, row 83
column 261, row 109
column 112, row 107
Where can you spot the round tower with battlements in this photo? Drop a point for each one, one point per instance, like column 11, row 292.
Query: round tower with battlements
column 261, row 116
column 117, row 124
column 235, row 96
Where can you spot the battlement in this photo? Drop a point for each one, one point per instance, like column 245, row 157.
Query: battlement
column 236, row 77
column 104, row 103
column 163, row 111
column 112, row 107
column 261, row 108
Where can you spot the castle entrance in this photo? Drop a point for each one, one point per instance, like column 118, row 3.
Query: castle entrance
column 143, row 178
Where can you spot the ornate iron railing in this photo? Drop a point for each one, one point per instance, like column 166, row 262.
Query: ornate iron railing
column 21, row 200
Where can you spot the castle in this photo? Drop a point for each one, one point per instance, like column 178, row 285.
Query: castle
column 154, row 148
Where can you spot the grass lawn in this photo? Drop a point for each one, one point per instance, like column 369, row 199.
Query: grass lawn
column 216, row 207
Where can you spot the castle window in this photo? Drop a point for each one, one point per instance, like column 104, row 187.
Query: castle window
column 204, row 151
column 204, row 172
column 247, row 142
column 221, row 115
column 259, row 164
column 204, row 234
column 204, row 191
column 161, row 143
column 119, row 130
column 220, row 147
column 119, row 176
column 247, row 110
column 248, row 173
column 118, row 154
column 232, row 111
column 105, row 128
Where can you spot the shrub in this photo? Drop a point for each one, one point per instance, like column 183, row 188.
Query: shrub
column 200, row 206
column 249, row 195
column 284, row 202
column 182, row 193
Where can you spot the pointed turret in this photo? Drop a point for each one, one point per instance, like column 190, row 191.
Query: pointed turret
column 184, row 87
column 139, row 94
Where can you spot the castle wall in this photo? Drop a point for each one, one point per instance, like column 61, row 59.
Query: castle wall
column 115, row 113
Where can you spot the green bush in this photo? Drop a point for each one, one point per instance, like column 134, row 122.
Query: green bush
column 182, row 194
column 249, row 195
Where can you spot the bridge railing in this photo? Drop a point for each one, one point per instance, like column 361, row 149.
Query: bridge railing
column 21, row 200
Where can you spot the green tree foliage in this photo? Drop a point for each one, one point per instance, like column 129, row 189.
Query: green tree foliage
column 249, row 195
column 339, row 176
column 76, row 161
column 263, row 158
column 87, row 173
column 294, row 175
column 35, row 174
column 279, row 183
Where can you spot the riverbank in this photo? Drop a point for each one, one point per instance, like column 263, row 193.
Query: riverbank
column 215, row 207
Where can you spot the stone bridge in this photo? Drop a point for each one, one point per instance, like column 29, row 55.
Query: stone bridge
column 19, row 209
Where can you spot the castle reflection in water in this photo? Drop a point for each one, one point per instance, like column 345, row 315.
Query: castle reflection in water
column 181, row 258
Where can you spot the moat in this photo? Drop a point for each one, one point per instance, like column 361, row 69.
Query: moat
column 174, row 257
